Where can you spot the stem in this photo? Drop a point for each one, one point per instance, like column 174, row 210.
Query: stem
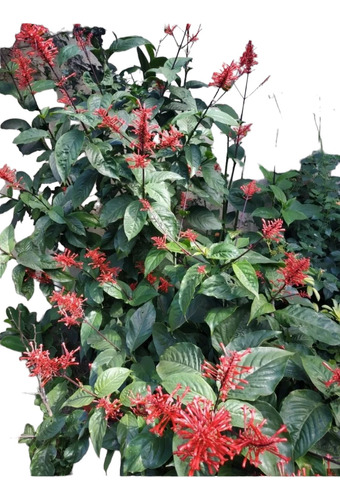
column 101, row 335
column 212, row 102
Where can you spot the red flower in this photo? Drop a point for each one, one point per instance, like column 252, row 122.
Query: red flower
column 24, row 72
column 138, row 161
column 112, row 409
column 146, row 205
column 250, row 189
column 39, row 276
column 112, row 122
column 293, row 272
column 33, row 34
column 241, row 131
column 164, row 285
column 202, row 427
column 151, row 278
column 142, row 128
column 41, row 365
column 201, row 269
column 257, row 442
column 159, row 242
column 170, row 139
column 82, row 40
column 108, row 274
column 70, row 307
column 66, row 99
column 228, row 372
column 271, row 230
column 188, row 234
column 98, row 258
column 247, row 60
column 168, row 30
column 9, row 175
column 184, row 200
column 225, row 79
column 336, row 375
column 67, row 259
column 158, row 406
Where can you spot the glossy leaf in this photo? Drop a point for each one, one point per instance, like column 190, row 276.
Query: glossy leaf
column 198, row 386
column 188, row 286
column 110, row 381
column 97, row 429
column 67, row 150
column 139, row 327
column 80, row 398
column 180, row 358
column 134, row 219
column 246, row 275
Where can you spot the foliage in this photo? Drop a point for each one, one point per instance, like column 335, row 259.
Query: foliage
column 172, row 333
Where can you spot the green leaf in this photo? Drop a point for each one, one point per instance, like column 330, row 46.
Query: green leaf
column 220, row 116
column 278, row 194
column 114, row 209
column 65, row 53
column 110, row 381
column 193, row 158
column 136, row 387
column 29, row 259
column 217, row 315
column 15, row 124
column 92, row 322
column 41, row 85
column 7, row 241
column 143, row 293
column 154, row 451
column 67, row 150
column 235, row 408
column 161, row 192
column 260, row 306
column 50, row 427
column 134, row 219
column 188, row 286
column 83, row 186
column 139, row 326
column 317, row 372
column 266, row 213
column 202, row 219
column 224, row 251
column 183, row 357
column 42, row 461
column 163, row 220
column 307, row 419
column 80, row 398
column 127, row 42
column 3, row 263
column 198, row 386
column 273, row 423
column 97, row 429
column 245, row 273
column 23, row 286
column 29, row 136
column 290, row 215
column 76, row 450
column 268, row 368
column 311, row 323
column 153, row 259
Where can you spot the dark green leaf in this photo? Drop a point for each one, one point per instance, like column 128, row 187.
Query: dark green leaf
column 139, row 327
column 67, row 150
column 110, row 381
column 180, row 358
column 134, row 219
column 30, row 135
column 97, row 429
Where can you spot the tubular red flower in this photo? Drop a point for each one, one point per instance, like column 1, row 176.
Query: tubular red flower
column 189, row 234
column 9, row 175
column 39, row 276
column 159, row 242
column 228, row 372
column 201, row 269
column 250, row 189
column 293, row 272
column 164, row 285
column 257, row 442
column 67, row 259
column 111, row 408
column 336, row 375
column 23, row 74
column 142, row 128
column 168, row 30
column 170, row 139
column 158, row 406
column 33, row 34
column 271, row 230
column 146, row 205
column 98, row 258
column 226, row 77
column 202, row 427
column 247, row 60
column 70, row 306
column 82, row 40
column 45, row 368
column 138, row 161
column 112, row 122
column 241, row 131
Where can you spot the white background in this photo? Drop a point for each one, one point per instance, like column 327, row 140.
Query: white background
column 297, row 43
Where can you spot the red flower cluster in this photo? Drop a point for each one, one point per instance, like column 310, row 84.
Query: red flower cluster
column 82, row 40
column 189, row 234
column 202, row 427
column 143, row 130
column 9, row 175
column 241, row 131
column 41, row 365
column 111, row 408
column 228, row 372
column 168, row 30
column 164, row 285
column 257, row 442
column 250, row 189
column 107, row 274
column 39, row 276
column 24, row 73
column 67, row 259
column 226, row 77
column 170, row 139
column 272, row 230
column 158, row 406
column 112, row 122
column 293, row 272
column 336, row 375
column 159, row 242
column 33, row 34
column 70, row 307
column 247, row 60
column 146, row 205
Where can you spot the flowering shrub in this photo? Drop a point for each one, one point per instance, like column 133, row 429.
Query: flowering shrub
column 173, row 333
